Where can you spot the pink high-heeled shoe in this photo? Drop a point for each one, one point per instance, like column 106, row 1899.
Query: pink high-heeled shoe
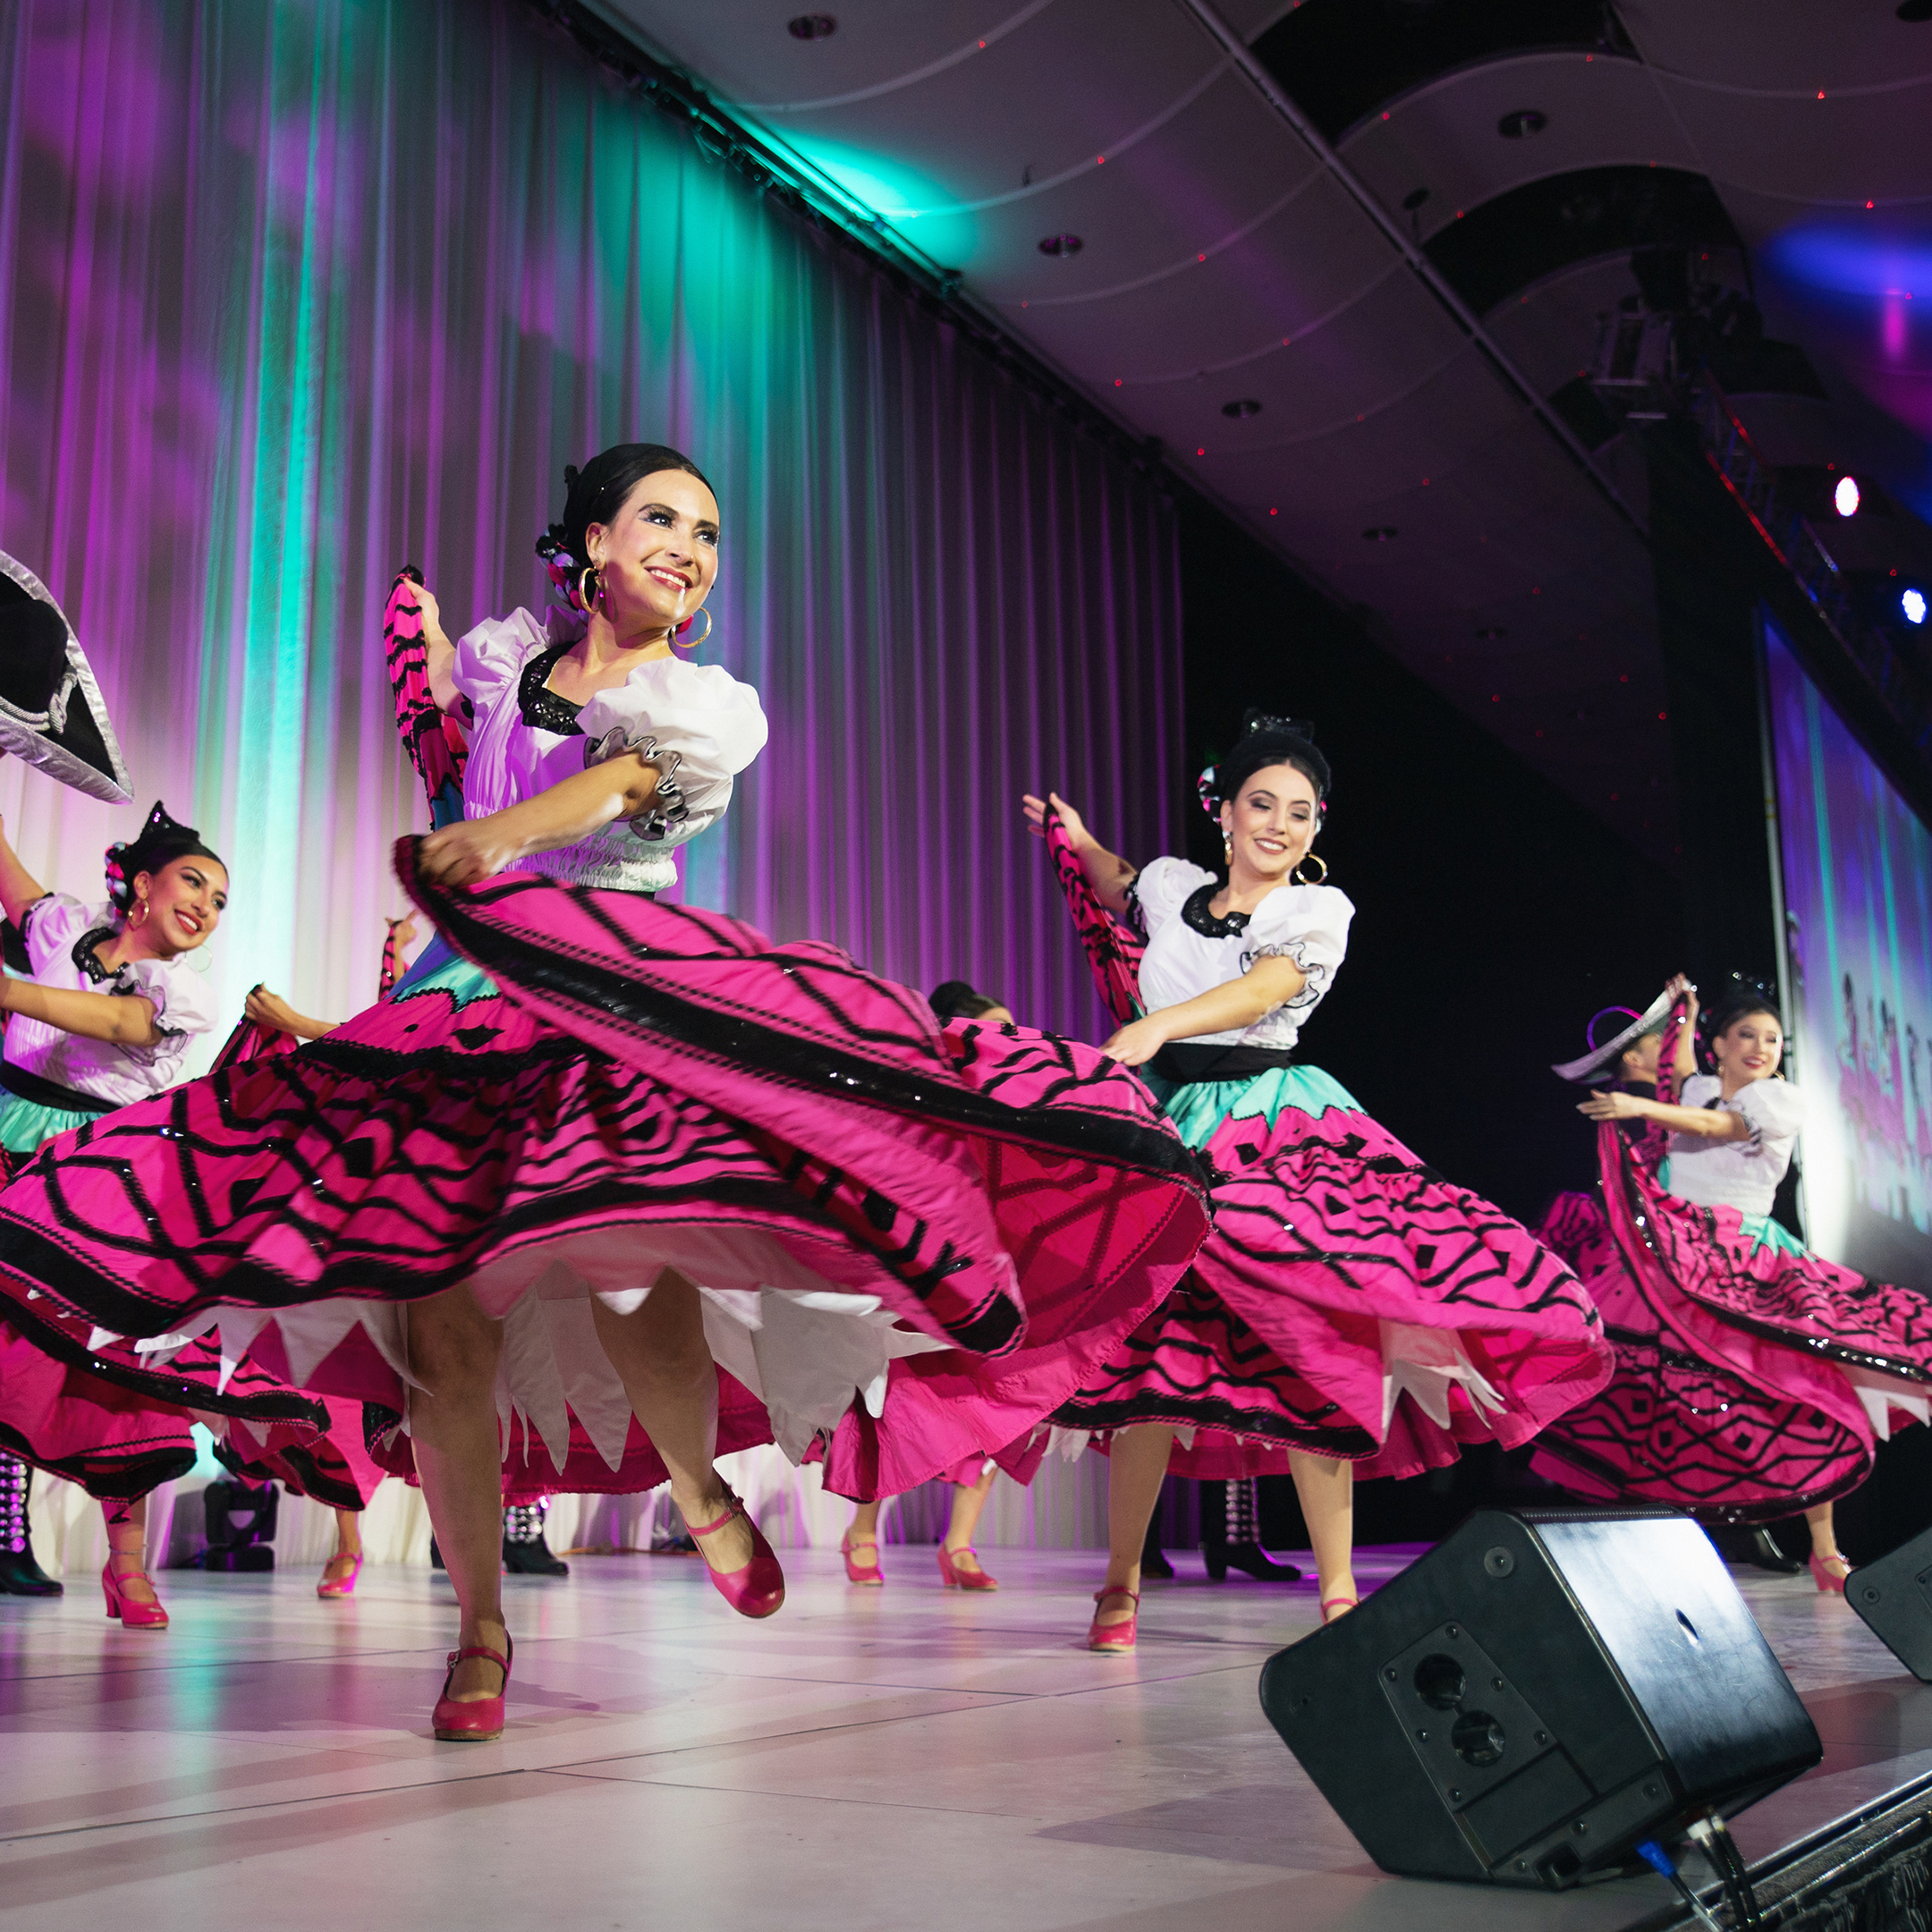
column 340, row 1586
column 952, row 1577
column 1117, row 1636
column 758, row 1589
column 478, row 1720
column 1828, row 1581
column 133, row 1614
column 872, row 1578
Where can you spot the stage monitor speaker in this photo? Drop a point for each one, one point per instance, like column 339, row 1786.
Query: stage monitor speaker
column 1894, row 1597
column 1536, row 1695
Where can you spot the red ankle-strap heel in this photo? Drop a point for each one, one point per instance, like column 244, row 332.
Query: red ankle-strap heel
column 1117, row 1636
column 952, row 1577
column 133, row 1616
column 871, row 1576
column 476, row 1720
column 758, row 1589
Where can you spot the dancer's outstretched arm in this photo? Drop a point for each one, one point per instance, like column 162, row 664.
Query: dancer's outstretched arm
column 271, row 1009
column 1268, row 983
column 1709, row 1123
column 123, row 1019
column 1108, row 874
column 587, row 802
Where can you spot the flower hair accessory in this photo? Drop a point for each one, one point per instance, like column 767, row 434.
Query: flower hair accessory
column 1296, row 737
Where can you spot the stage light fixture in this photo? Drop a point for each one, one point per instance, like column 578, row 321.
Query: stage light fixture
column 1061, row 244
column 1380, row 533
column 1914, row 11
column 811, row 27
column 1524, row 121
column 1492, row 633
column 1913, row 603
column 1414, row 200
column 1241, row 406
column 1845, row 497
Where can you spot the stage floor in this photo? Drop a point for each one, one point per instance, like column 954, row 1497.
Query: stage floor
column 895, row 1759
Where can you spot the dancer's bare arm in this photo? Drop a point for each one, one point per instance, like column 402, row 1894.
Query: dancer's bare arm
column 271, row 1009
column 1267, row 984
column 585, row 802
column 1109, row 875
column 125, row 1019
column 1685, row 1064
column 1709, row 1123
column 19, row 888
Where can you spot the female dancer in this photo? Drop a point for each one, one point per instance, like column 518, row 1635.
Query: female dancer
column 1350, row 1307
column 599, row 1146
column 1753, row 1376
column 106, row 1019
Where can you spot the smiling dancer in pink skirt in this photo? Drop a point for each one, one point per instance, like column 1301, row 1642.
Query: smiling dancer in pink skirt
column 595, row 1147
column 1754, row 1378
column 1352, row 1311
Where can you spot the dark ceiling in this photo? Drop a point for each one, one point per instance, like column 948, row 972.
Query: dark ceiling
column 1346, row 260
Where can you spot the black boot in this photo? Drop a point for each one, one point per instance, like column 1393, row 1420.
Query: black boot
column 524, row 1551
column 20, row 1574
column 1153, row 1558
column 1240, row 1547
column 1760, row 1550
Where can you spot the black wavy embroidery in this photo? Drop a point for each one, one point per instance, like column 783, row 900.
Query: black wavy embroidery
column 773, row 1053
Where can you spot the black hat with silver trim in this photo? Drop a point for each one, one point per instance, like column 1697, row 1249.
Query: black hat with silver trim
column 1600, row 1061
column 51, row 713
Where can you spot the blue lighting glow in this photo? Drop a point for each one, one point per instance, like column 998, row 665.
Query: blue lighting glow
column 1913, row 603
column 1853, row 261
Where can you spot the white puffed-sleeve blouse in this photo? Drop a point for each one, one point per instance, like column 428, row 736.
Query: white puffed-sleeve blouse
column 699, row 711
column 1744, row 1174
column 1189, row 953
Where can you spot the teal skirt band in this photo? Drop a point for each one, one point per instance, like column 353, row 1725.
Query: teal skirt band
column 26, row 1126
column 1198, row 1107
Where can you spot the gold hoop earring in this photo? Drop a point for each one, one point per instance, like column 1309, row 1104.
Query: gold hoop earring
column 684, row 643
column 588, row 590
column 1318, row 860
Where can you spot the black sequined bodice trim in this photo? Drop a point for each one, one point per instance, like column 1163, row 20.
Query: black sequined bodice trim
column 1197, row 915
column 542, row 708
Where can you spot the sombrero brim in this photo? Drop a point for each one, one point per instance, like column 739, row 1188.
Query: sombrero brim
column 52, row 714
column 1594, row 1061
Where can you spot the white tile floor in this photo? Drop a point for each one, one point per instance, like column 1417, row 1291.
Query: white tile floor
column 906, row 1757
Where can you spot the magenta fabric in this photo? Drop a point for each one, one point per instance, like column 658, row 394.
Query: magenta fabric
column 1325, row 1230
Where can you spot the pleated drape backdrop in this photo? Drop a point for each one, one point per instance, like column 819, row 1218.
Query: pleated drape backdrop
column 291, row 293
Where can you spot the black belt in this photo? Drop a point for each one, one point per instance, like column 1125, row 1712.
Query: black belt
column 31, row 1088
column 1187, row 1062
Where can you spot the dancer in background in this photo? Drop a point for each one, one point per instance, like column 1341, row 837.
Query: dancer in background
column 689, row 1137
column 1351, row 1309
column 1753, row 1376
column 106, row 1019
column 1577, row 1228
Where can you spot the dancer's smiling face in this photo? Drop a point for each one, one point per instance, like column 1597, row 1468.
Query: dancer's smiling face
column 185, row 902
column 1750, row 1048
column 1271, row 821
column 656, row 558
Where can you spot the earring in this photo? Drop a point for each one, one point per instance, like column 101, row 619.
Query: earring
column 141, row 913
column 691, row 643
column 588, row 590
column 1227, row 852
column 1317, row 859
